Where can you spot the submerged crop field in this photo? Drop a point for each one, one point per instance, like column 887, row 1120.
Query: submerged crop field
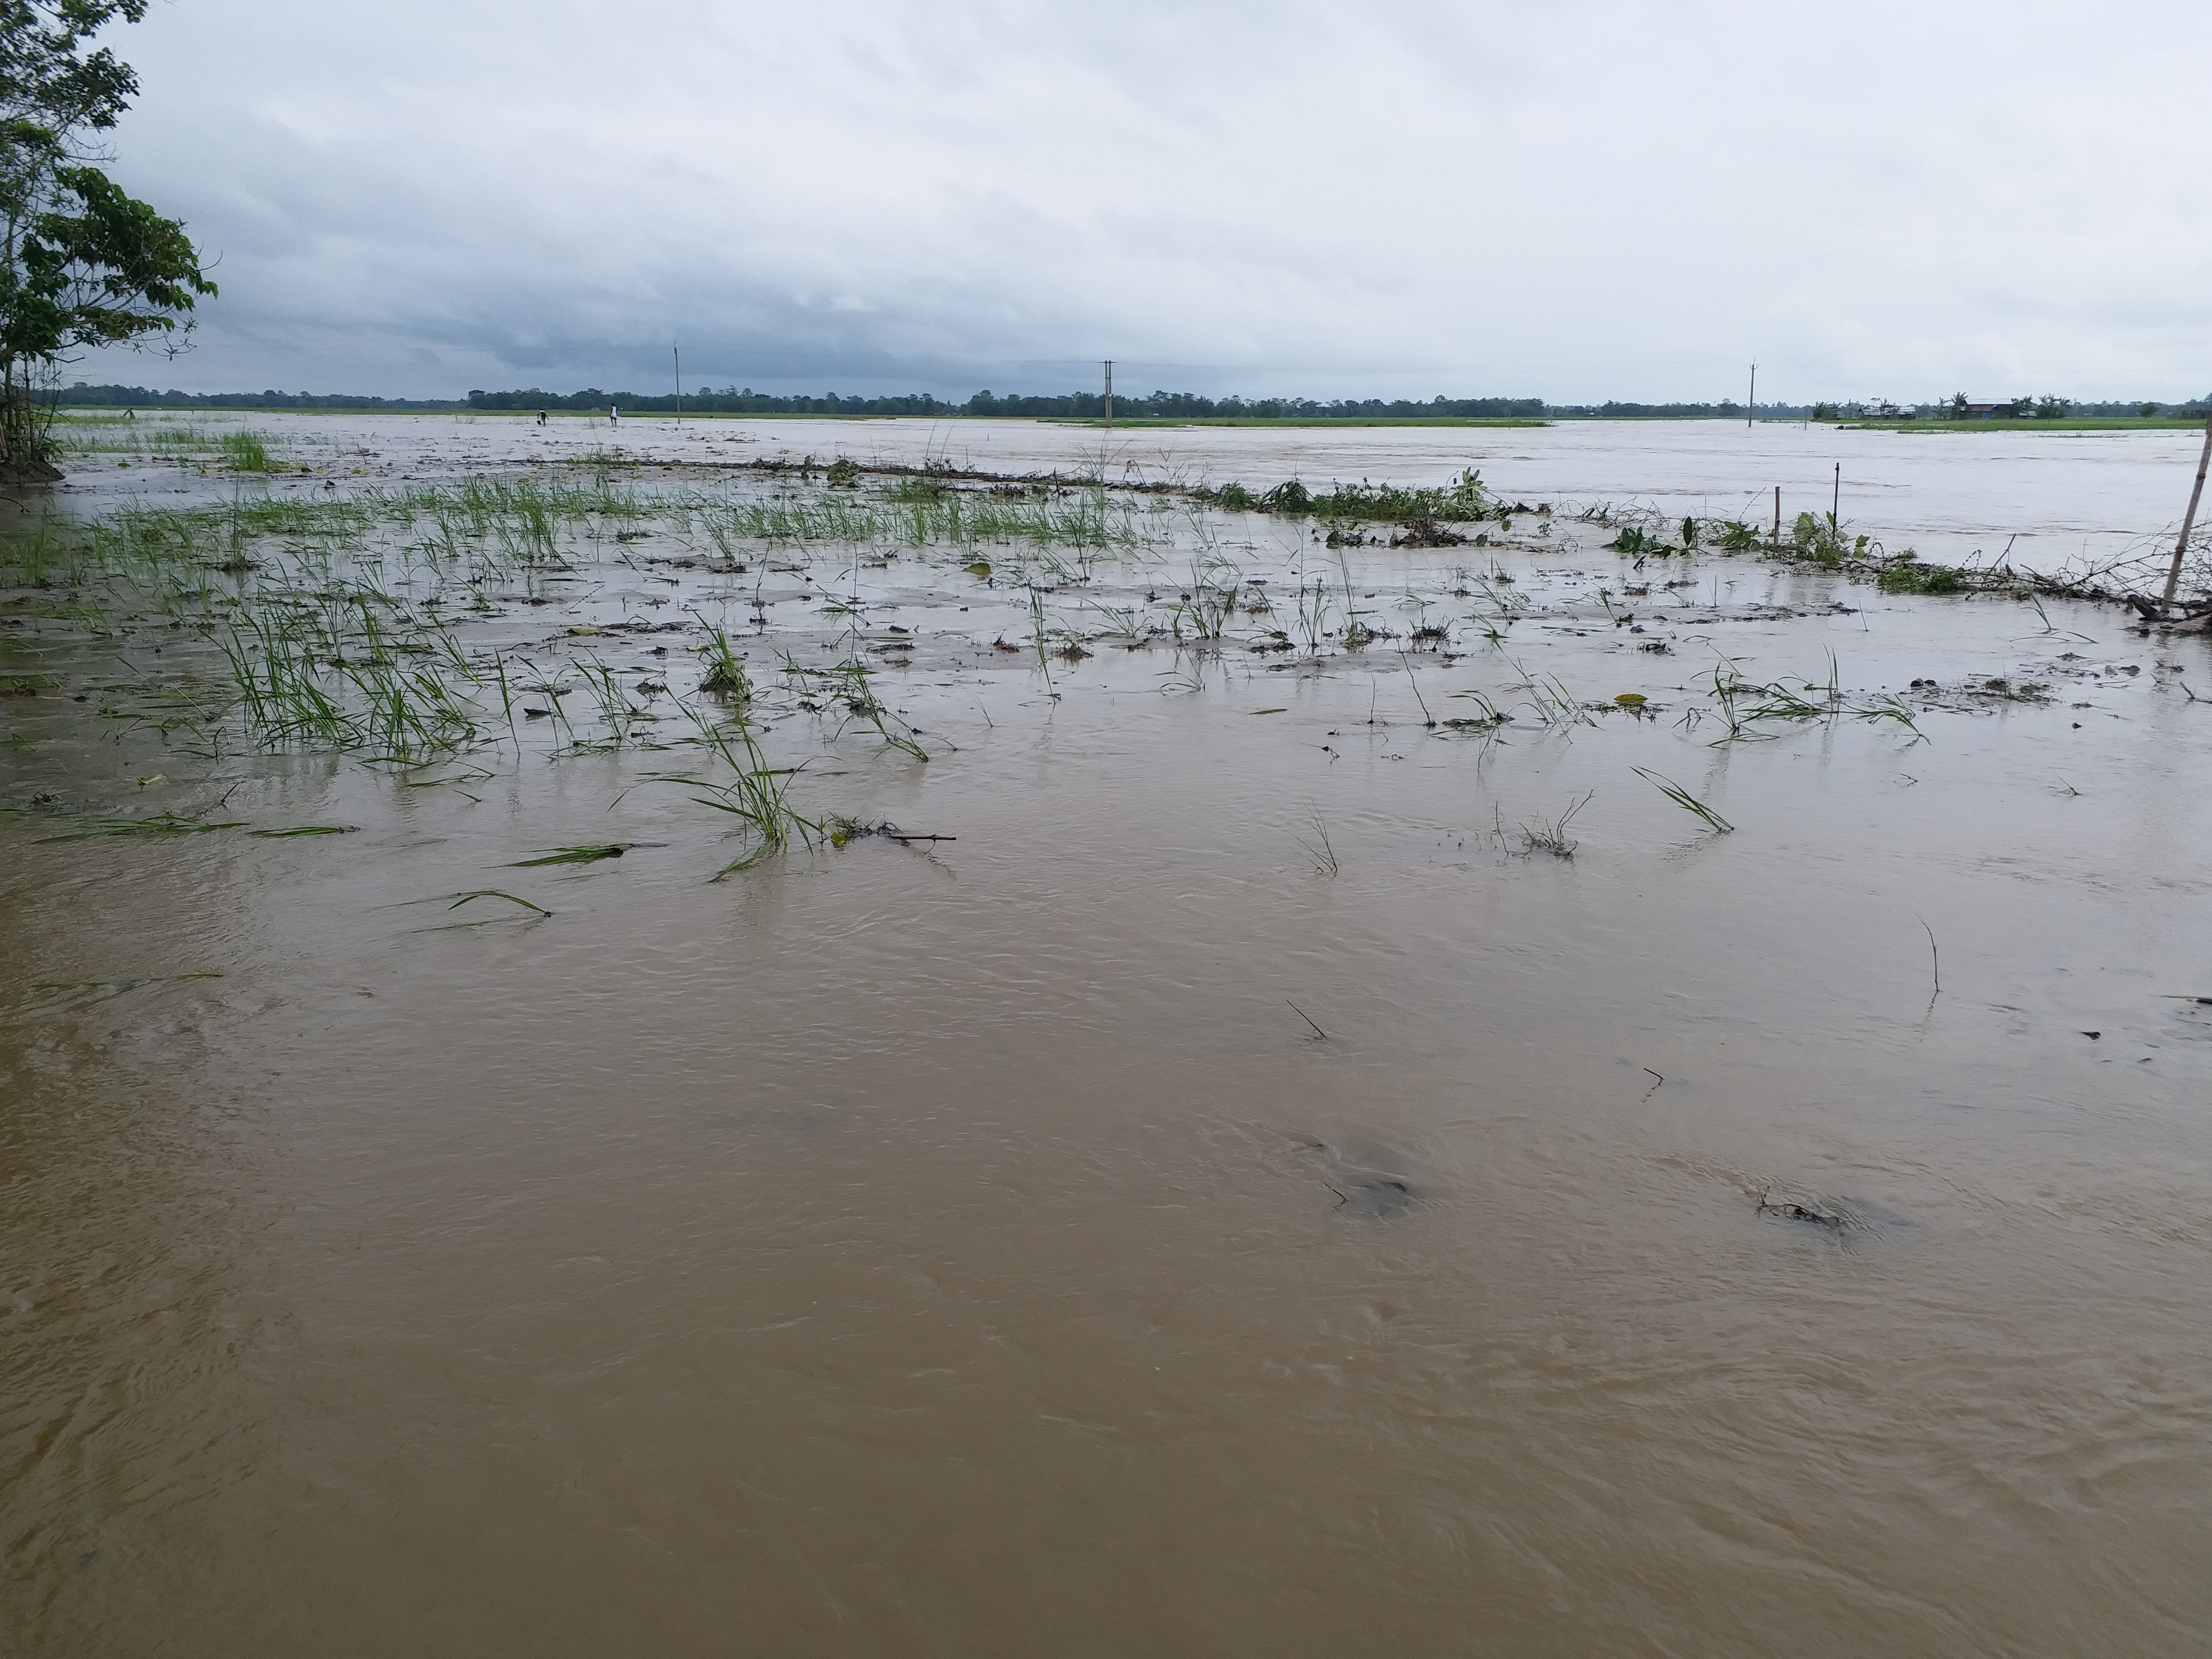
column 528, row 616
column 672, row 987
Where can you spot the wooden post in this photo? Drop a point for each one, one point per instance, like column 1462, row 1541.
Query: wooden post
column 679, row 382
column 1778, row 515
column 2188, row 518
column 1751, row 407
column 1836, row 505
column 1109, row 392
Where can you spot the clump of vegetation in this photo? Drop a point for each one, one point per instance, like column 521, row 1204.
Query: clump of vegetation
column 844, row 473
column 1815, row 539
column 726, row 675
column 1908, row 576
column 1463, row 500
column 1638, row 543
column 246, row 452
column 1234, row 498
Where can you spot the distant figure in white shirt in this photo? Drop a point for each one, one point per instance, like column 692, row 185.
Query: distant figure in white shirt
column 614, row 414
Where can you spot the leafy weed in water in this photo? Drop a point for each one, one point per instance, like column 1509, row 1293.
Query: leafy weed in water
column 1907, row 575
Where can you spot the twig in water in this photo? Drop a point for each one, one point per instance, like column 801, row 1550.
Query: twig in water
column 1935, row 960
column 1411, row 679
column 1318, row 1033
column 1655, row 1081
column 1552, row 838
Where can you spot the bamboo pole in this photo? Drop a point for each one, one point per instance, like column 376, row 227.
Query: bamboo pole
column 2188, row 518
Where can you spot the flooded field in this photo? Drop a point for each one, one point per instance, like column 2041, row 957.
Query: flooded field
column 615, row 1052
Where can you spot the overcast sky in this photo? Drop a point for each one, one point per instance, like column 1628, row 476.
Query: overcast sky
column 1571, row 199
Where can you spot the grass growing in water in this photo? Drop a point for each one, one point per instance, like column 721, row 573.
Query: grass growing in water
column 246, row 451
column 1683, row 799
column 759, row 796
column 1318, row 851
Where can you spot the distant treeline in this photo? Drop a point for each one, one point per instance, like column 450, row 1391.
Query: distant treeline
column 1189, row 406
column 1074, row 405
column 1155, row 405
column 82, row 396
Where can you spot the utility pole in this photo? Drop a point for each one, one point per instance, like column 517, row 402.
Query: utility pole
column 1752, row 406
column 1109, row 392
column 2189, row 518
column 679, row 356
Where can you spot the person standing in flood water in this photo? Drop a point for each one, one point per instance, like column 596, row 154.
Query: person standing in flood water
column 614, row 414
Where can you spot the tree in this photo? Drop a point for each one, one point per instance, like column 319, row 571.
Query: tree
column 82, row 263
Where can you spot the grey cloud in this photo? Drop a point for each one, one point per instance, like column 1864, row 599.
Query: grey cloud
column 1578, row 200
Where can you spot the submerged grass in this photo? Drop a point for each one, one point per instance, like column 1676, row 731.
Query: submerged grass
column 575, row 855
column 162, row 823
column 362, row 622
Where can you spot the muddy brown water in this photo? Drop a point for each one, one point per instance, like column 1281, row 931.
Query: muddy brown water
column 969, row 1247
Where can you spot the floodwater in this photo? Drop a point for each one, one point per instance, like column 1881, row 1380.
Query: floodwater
column 2050, row 501
column 1239, row 1192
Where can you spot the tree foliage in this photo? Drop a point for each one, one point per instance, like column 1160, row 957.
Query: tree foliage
column 49, row 80
column 82, row 263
